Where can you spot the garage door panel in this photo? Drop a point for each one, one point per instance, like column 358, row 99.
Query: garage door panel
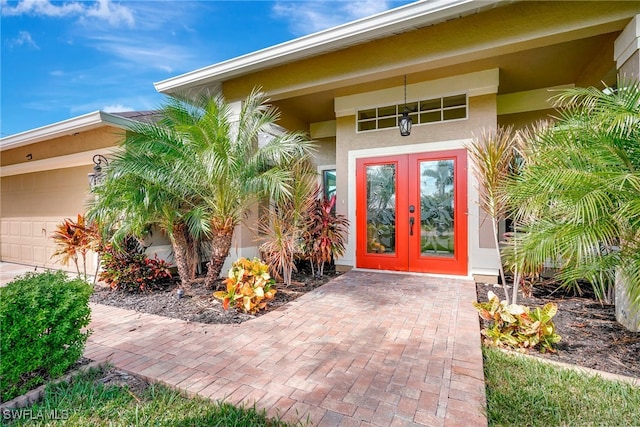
column 25, row 228
column 14, row 228
column 40, row 255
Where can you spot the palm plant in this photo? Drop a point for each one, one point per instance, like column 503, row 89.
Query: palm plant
column 494, row 157
column 578, row 196
column 282, row 227
column 197, row 171
column 130, row 202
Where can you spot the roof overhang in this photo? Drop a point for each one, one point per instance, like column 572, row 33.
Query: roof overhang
column 71, row 126
column 395, row 21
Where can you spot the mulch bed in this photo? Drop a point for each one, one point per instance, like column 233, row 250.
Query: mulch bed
column 198, row 303
column 591, row 337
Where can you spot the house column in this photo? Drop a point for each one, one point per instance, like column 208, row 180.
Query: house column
column 627, row 56
column 626, row 50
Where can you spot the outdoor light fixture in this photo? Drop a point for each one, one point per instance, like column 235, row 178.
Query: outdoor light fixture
column 405, row 121
column 97, row 176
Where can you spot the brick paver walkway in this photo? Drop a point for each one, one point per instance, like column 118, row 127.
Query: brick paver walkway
column 367, row 348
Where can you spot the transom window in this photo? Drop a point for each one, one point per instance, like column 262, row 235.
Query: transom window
column 421, row 112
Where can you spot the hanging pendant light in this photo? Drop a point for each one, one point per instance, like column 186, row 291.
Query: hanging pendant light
column 405, row 121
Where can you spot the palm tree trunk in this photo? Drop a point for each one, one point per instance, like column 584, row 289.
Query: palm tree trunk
column 220, row 247
column 516, row 271
column 494, row 222
column 193, row 258
column 180, row 249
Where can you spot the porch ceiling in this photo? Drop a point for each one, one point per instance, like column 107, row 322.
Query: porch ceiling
column 583, row 62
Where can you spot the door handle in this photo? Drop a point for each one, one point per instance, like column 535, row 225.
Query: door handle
column 411, row 221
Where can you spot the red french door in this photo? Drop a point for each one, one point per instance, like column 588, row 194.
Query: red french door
column 411, row 212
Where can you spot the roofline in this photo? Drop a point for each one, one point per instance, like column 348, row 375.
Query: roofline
column 66, row 127
column 369, row 28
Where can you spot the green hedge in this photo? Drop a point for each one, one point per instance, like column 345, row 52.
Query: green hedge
column 42, row 316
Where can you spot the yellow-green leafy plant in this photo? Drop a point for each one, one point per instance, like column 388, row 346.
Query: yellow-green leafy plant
column 249, row 286
column 517, row 326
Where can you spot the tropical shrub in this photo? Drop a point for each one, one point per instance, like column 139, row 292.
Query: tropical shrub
column 577, row 196
column 495, row 158
column 281, row 228
column 129, row 269
column 198, row 169
column 325, row 234
column 74, row 240
column 249, row 286
column 43, row 316
column 281, row 244
column 517, row 326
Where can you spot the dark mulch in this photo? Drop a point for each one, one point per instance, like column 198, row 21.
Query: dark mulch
column 591, row 336
column 198, row 303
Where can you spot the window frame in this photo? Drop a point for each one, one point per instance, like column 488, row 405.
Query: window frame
column 371, row 115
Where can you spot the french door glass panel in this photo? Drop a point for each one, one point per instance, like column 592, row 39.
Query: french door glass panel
column 437, row 208
column 381, row 208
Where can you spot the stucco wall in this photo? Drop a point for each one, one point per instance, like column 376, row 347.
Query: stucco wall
column 70, row 144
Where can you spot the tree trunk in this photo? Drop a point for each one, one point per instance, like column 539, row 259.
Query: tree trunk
column 180, row 248
column 220, row 247
column 494, row 223
column 193, row 258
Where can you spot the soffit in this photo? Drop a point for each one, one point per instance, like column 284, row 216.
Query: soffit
column 582, row 62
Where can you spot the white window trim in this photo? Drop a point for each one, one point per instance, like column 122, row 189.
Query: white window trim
column 399, row 114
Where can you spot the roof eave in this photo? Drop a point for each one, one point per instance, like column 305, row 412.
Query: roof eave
column 66, row 127
column 370, row 28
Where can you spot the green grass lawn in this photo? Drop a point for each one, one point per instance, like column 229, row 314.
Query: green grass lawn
column 524, row 392
column 87, row 402
column 520, row 392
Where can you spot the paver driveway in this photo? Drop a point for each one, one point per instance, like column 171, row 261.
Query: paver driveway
column 367, row 348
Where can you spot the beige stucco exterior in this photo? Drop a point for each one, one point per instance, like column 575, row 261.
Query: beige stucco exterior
column 92, row 140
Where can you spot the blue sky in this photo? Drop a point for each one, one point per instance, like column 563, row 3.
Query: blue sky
column 62, row 59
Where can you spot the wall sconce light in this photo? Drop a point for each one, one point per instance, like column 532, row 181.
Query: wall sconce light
column 97, row 177
column 405, row 121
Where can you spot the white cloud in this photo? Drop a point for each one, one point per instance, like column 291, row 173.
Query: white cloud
column 24, row 39
column 114, row 14
column 311, row 16
column 105, row 10
column 146, row 52
column 116, row 108
column 42, row 8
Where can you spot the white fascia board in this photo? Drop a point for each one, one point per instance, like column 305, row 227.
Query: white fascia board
column 473, row 84
column 404, row 18
column 66, row 127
